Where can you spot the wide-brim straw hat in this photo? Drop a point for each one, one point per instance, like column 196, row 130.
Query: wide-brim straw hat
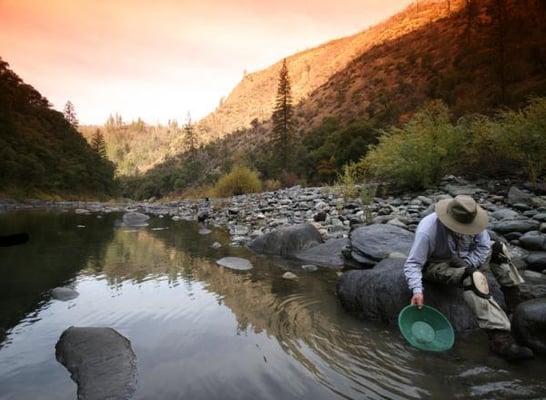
column 462, row 215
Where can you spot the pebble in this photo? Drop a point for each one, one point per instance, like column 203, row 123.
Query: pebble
column 289, row 275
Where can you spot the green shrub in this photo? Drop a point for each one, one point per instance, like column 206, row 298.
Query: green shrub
column 420, row 153
column 239, row 180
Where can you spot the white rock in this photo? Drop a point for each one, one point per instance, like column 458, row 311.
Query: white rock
column 289, row 275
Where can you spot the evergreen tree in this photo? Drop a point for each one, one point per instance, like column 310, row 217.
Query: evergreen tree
column 190, row 137
column 282, row 118
column 98, row 144
column 70, row 114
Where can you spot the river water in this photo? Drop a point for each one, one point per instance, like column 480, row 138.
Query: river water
column 201, row 331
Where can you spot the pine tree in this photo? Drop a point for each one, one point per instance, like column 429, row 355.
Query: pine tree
column 70, row 114
column 98, row 144
column 190, row 137
column 282, row 118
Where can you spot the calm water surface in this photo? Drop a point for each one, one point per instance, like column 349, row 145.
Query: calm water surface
column 200, row 331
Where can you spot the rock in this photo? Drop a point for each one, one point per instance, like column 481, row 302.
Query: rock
column 237, row 263
column 542, row 227
column 135, row 219
column 529, row 324
column 516, row 225
column 290, row 276
column 203, row 216
column 204, row 231
column 505, row 213
column 309, row 268
column 64, row 293
column 327, row 254
column 320, row 216
column 239, row 230
column 377, row 241
column 381, row 293
column 456, row 190
column 100, row 361
column 533, row 240
column 540, row 217
column 397, row 222
column 176, row 218
column 82, row 211
column 536, row 260
column 287, row 241
column 516, row 195
column 216, row 245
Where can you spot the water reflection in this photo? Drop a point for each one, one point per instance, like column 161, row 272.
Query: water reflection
column 203, row 331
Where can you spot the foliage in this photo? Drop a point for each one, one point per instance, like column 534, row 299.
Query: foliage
column 69, row 113
column 239, row 180
column 190, row 136
column 420, row 153
column 40, row 151
column 98, row 144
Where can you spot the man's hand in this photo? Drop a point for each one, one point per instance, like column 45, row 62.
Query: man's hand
column 418, row 300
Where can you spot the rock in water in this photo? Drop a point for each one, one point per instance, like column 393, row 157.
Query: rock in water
column 287, row 241
column 100, row 361
column 64, row 293
column 237, row 263
column 290, row 276
column 204, row 231
column 529, row 324
column 381, row 293
column 135, row 219
column 327, row 254
column 377, row 241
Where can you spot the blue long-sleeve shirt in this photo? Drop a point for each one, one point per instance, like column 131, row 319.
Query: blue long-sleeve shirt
column 434, row 242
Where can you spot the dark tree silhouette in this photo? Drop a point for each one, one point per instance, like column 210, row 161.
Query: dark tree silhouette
column 70, row 114
column 282, row 117
column 98, row 144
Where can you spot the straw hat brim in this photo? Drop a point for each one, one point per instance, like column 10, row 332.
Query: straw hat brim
column 473, row 228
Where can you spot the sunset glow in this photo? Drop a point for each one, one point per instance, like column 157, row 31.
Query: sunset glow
column 159, row 59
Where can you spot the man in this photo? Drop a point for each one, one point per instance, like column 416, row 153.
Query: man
column 451, row 247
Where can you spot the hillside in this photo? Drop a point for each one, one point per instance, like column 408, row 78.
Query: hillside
column 40, row 152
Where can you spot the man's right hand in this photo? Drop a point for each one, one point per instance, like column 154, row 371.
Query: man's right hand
column 418, row 300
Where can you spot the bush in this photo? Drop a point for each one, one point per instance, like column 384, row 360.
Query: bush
column 420, row 153
column 239, row 180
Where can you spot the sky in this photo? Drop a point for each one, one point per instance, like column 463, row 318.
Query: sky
column 159, row 59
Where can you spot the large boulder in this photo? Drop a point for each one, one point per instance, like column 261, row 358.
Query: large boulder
column 529, row 324
column 536, row 260
column 64, row 293
column 373, row 243
column 287, row 241
column 100, row 361
column 533, row 240
column 327, row 254
column 381, row 293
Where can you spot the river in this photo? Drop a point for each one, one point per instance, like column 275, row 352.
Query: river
column 200, row 331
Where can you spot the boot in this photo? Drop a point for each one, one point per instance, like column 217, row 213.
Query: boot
column 512, row 297
column 503, row 344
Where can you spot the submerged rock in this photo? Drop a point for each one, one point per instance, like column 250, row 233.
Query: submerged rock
column 100, row 361
column 380, row 294
column 237, row 263
column 529, row 324
column 290, row 276
column 135, row 219
column 64, row 293
column 204, row 231
column 287, row 241
column 327, row 254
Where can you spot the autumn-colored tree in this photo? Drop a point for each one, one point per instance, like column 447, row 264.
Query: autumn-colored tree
column 69, row 112
column 282, row 118
column 98, row 144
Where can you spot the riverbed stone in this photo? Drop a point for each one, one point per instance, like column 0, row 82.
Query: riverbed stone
column 536, row 260
column 287, row 241
column 533, row 240
column 516, row 196
column 236, row 263
column 381, row 293
column 289, row 276
column 377, row 241
column 327, row 254
column 529, row 324
column 504, row 213
column 100, row 361
column 135, row 219
column 64, row 293
column 516, row 225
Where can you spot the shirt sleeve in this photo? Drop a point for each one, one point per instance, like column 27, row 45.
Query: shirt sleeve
column 417, row 258
column 479, row 254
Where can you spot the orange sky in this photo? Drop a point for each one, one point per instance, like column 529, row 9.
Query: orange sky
column 158, row 59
